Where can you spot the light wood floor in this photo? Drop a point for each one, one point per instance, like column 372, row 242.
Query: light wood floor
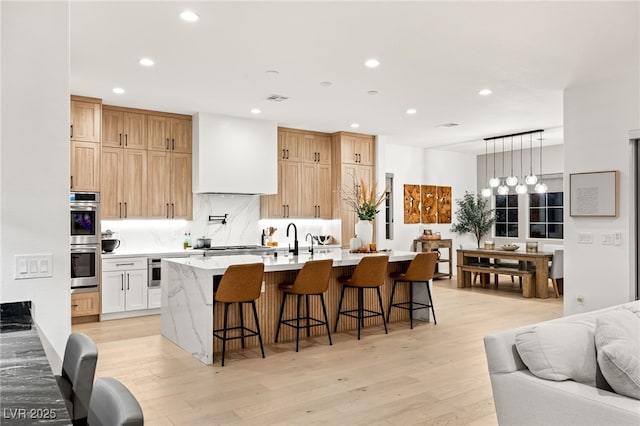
column 431, row 375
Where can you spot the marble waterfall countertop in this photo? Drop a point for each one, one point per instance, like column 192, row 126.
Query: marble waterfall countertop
column 216, row 265
column 29, row 392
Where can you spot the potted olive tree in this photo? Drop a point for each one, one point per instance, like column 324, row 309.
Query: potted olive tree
column 474, row 216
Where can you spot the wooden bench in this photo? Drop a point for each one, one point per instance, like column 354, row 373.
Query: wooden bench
column 528, row 289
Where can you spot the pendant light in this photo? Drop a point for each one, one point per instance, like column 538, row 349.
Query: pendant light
column 486, row 191
column 521, row 188
column 503, row 189
column 531, row 179
column 512, row 180
column 541, row 187
column 494, row 181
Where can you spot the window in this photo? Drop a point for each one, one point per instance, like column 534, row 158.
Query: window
column 546, row 213
column 506, row 216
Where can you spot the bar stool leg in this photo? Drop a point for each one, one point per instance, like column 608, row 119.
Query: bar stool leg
column 284, row 298
column 240, row 313
column 255, row 317
column 393, row 292
column 298, row 321
column 360, row 318
column 431, row 303
column 410, row 304
column 326, row 319
column 224, row 331
column 335, row 328
column 306, row 297
column 382, row 310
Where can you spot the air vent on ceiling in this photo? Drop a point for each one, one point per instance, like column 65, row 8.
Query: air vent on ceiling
column 277, row 98
column 448, row 125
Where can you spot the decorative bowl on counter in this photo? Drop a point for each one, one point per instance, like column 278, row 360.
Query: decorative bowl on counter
column 510, row 247
column 109, row 245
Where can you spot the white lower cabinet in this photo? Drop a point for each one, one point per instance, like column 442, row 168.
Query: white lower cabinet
column 124, row 285
column 155, row 298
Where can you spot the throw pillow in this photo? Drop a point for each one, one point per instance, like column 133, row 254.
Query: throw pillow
column 617, row 338
column 561, row 351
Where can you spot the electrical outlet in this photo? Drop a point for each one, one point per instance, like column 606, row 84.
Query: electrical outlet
column 580, row 299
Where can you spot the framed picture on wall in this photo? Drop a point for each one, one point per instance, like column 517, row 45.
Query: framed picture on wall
column 594, row 194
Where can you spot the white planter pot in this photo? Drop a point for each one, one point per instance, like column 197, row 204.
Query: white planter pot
column 364, row 231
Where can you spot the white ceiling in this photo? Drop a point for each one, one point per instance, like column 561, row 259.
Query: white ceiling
column 435, row 57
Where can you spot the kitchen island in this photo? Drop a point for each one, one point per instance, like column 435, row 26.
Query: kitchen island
column 188, row 286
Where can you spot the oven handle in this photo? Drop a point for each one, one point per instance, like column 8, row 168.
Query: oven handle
column 83, row 207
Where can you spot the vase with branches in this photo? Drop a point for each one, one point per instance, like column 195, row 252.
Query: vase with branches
column 364, row 201
column 474, row 216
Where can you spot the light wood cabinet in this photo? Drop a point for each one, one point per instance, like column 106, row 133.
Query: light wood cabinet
column 316, row 148
column 85, row 116
column 169, row 133
column 83, row 304
column 124, row 183
column 356, row 149
column 289, row 145
column 85, row 166
column 121, row 128
column 286, row 203
column 169, row 185
column 315, row 194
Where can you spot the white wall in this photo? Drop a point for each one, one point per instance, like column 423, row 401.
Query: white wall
column 597, row 121
column 414, row 165
column 34, row 158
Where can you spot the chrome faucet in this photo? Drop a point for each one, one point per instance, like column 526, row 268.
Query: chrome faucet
column 295, row 237
column 305, row 238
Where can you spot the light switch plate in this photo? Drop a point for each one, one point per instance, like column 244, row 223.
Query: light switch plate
column 28, row 266
column 607, row 239
column 617, row 238
column 585, row 238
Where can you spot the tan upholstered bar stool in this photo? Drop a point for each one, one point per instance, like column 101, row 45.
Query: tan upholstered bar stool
column 369, row 273
column 312, row 280
column 240, row 284
column 420, row 270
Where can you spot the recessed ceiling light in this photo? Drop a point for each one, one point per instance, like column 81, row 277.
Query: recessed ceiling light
column 325, row 83
column 372, row 63
column 118, row 90
column 485, row 92
column 146, row 62
column 189, row 16
column 255, row 111
column 411, row 111
column 355, row 125
column 372, row 92
column 272, row 73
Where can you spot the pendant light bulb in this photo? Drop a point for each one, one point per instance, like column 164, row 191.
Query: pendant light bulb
column 503, row 189
column 486, row 192
column 531, row 179
column 541, row 188
column 521, row 188
column 494, row 182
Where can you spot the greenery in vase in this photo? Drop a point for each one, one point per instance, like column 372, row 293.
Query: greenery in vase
column 474, row 216
column 364, row 201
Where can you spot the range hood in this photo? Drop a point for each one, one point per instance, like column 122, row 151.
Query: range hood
column 234, row 155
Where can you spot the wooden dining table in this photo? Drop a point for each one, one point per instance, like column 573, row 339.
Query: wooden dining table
column 539, row 262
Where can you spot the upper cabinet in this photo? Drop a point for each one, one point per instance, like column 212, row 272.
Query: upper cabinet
column 85, row 119
column 169, row 133
column 121, row 128
column 289, row 145
column 316, row 148
column 356, row 148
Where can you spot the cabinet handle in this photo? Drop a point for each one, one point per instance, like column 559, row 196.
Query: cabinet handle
column 124, row 264
column 71, row 135
column 284, row 211
column 71, row 181
column 287, row 154
column 120, row 210
column 167, row 144
column 173, row 210
column 167, row 210
column 173, row 144
column 125, row 209
column 120, row 139
column 126, row 139
column 127, row 282
column 121, row 282
column 74, row 306
column 283, row 157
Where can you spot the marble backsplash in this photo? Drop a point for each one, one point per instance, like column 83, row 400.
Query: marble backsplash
column 243, row 226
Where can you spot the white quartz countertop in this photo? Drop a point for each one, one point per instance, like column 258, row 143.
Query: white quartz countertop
column 160, row 253
column 216, row 265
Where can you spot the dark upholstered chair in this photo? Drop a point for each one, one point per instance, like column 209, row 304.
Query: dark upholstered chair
column 556, row 270
column 240, row 284
column 312, row 280
column 76, row 379
column 420, row 270
column 369, row 273
column 112, row 404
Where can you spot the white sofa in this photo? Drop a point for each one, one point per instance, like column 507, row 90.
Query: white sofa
column 523, row 399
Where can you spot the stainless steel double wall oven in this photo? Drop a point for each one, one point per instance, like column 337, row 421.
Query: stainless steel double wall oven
column 84, row 208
